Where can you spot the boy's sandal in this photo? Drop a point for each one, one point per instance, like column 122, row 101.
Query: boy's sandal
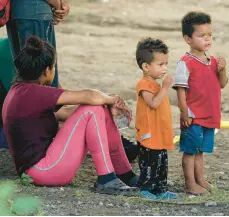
column 148, row 195
column 115, row 187
column 166, row 196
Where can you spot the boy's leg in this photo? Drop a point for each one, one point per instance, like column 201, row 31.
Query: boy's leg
column 149, row 164
column 199, row 171
column 207, row 145
column 190, row 142
column 145, row 181
column 153, row 178
column 188, row 164
column 161, row 185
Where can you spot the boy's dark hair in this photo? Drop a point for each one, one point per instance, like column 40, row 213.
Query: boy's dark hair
column 146, row 48
column 193, row 18
column 34, row 58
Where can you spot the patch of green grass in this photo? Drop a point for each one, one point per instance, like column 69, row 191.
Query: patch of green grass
column 19, row 205
column 217, row 195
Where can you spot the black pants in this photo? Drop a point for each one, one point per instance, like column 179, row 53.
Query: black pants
column 153, row 166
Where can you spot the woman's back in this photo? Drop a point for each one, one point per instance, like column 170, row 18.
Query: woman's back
column 29, row 122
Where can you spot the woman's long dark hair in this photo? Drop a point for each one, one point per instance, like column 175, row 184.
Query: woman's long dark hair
column 33, row 59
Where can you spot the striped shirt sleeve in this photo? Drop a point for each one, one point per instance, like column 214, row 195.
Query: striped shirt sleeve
column 182, row 75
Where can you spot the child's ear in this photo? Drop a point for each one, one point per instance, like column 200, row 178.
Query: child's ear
column 187, row 39
column 47, row 71
column 145, row 67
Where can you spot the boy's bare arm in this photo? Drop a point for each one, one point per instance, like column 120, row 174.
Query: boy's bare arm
column 223, row 79
column 153, row 101
column 182, row 104
column 55, row 3
column 181, row 96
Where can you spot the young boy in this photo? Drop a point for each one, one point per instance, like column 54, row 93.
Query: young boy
column 153, row 119
column 198, row 81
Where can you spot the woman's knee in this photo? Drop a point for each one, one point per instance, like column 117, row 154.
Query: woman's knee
column 90, row 110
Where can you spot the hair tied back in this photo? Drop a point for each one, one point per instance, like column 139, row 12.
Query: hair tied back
column 34, row 46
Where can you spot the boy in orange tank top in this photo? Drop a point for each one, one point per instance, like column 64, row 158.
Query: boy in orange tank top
column 153, row 119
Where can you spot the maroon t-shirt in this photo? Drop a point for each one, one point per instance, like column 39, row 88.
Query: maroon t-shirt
column 29, row 122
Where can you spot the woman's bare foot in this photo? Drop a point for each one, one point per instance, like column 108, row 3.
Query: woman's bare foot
column 205, row 185
column 195, row 189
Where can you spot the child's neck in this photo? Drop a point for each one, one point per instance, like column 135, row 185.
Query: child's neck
column 200, row 54
column 153, row 79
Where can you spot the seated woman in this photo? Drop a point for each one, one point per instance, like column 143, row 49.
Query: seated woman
column 50, row 156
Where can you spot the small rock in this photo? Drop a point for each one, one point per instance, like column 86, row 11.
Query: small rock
column 210, row 204
column 148, row 210
column 221, row 173
column 79, row 202
column 170, row 183
column 127, row 205
column 53, row 206
column 217, row 214
column 156, row 214
column 110, row 205
column 53, row 190
column 223, row 177
column 138, row 211
column 225, row 108
column 194, row 210
column 101, row 203
column 206, row 166
column 58, row 202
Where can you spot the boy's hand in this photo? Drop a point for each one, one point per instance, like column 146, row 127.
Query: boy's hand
column 185, row 120
column 167, row 81
column 221, row 64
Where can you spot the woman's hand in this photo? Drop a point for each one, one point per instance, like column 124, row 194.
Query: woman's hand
column 126, row 111
column 120, row 108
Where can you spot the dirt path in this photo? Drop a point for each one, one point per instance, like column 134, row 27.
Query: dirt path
column 96, row 47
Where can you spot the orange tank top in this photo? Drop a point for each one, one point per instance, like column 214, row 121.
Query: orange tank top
column 153, row 126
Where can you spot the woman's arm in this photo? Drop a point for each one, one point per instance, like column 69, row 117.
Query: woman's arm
column 64, row 112
column 89, row 97
column 55, row 3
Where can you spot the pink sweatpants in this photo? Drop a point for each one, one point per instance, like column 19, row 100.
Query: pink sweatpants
column 88, row 129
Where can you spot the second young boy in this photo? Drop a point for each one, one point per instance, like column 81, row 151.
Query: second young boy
column 153, row 119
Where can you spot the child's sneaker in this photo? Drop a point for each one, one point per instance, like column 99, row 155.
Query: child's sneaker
column 166, row 196
column 148, row 195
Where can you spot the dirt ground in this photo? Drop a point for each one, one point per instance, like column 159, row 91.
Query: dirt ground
column 96, row 47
